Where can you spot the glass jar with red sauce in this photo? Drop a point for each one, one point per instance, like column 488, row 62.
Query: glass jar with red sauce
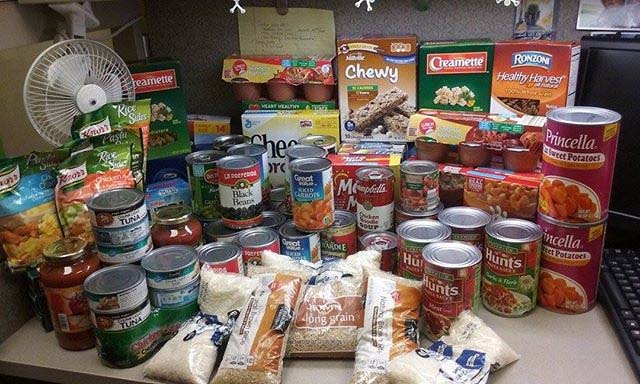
column 67, row 263
column 176, row 225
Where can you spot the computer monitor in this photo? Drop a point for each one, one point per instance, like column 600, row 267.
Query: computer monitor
column 609, row 77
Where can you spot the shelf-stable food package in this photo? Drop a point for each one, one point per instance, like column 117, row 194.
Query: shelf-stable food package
column 222, row 292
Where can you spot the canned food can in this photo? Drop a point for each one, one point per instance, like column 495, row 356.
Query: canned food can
column 387, row 244
column 511, row 266
column 303, row 246
column 273, row 219
column 256, row 240
column 374, row 196
column 224, row 142
column 240, row 191
column 451, row 284
column 222, row 257
column 116, row 289
column 323, row 141
column 312, row 193
column 570, row 265
column 175, row 297
column 402, row 216
column 116, row 322
column 276, row 197
column 202, row 168
column 341, row 239
column 294, row 152
column 170, row 267
column 578, row 160
column 286, row 211
column 419, row 186
column 130, row 253
column 217, row 231
column 259, row 153
column 467, row 224
column 413, row 236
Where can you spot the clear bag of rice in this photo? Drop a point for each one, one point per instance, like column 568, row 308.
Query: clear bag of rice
column 221, row 292
column 390, row 327
column 257, row 344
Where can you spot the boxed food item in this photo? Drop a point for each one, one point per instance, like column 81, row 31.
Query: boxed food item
column 503, row 193
column 293, row 105
column 372, row 148
column 204, row 128
column 163, row 193
column 161, row 81
column 376, row 87
column 278, row 130
column 166, row 169
column 455, row 75
column 533, row 77
column 452, row 184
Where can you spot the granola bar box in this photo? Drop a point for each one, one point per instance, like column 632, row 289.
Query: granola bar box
column 161, row 81
column 533, row 77
column 455, row 75
column 376, row 86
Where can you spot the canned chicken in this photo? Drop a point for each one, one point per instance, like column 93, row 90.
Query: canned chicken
column 224, row 142
column 312, row 193
column 171, row 267
column 323, row 141
column 240, row 191
column 419, row 186
column 340, row 240
column 255, row 240
column 402, row 216
column 374, row 196
column 203, row 177
column 413, row 236
column 222, row 257
column 387, row 244
column 116, row 289
column 300, row 245
column 217, row 231
column 259, row 153
column 466, row 223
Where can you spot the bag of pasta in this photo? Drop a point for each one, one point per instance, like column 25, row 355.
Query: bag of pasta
column 28, row 220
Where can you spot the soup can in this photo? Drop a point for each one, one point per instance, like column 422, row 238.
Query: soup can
column 466, row 223
column 116, row 289
column 340, row 240
column 273, row 219
column 511, row 266
column 259, row 153
column 217, row 231
column 240, row 191
column 312, row 194
column 202, row 167
column 294, row 152
column 402, row 216
column 413, row 236
column 224, row 142
column 256, row 240
column 222, row 257
column 303, row 246
column 374, row 199
column 175, row 297
column 324, row 141
column 570, row 265
column 384, row 242
column 170, row 267
column 419, row 186
column 578, row 160
column 451, row 284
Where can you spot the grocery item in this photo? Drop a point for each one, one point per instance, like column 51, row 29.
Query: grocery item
column 390, row 326
column 116, row 289
column 474, row 154
column 312, row 193
column 116, row 322
column 259, row 153
column 176, row 296
column 384, row 242
column 372, row 148
column 329, row 143
column 291, row 105
column 375, row 199
column 419, row 187
column 240, row 191
column 171, row 266
column 303, row 246
column 402, row 216
column 276, row 263
column 203, row 129
column 256, row 349
column 533, row 77
column 224, row 142
column 511, row 266
column 376, row 86
column 222, row 257
column 254, row 241
column 294, row 152
column 68, row 262
column 277, row 197
column 341, row 239
column 451, row 182
column 223, row 292
column 578, row 162
column 28, row 221
column 570, row 264
column 451, row 284
column 455, row 75
column 120, row 225
column 203, row 177
column 428, row 148
column 176, row 225
column 466, row 223
column 217, row 231
column 413, row 236
column 273, row 220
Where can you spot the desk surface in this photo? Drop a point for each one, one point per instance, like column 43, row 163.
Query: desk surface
column 554, row 349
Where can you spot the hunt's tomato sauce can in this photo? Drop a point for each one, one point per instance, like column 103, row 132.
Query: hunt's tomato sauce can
column 240, row 191
column 374, row 195
column 340, row 240
column 451, row 284
column 413, row 236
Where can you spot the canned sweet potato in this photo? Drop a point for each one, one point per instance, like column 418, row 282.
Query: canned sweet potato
column 374, row 196
column 387, row 244
column 240, row 191
column 312, row 193
column 340, row 240
column 413, row 236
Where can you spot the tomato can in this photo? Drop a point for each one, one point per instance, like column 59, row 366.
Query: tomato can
column 240, row 191
column 324, row 141
column 224, row 142
column 374, row 196
column 570, row 265
column 116, row 289
column 413, row 236
column 467, row 224
column 451, row 284
column 222, row 257
column 273, row 219
column 259, row 153
column 578, row 160
column 312, row 193
column 303, row 246
column 402, row 216
column 340, row 240
column 202, row 167
column 419, row 186
column 511, row 266
column 384, row 242
column 255, row 240
column 294, row 152
column 171, row 266
column 217, row 231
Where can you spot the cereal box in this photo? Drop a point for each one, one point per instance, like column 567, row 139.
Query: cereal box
column 456, row 75
column 293, row 105
column 376, row 87
column 533, row 77
column 278, row 130
column 293, row 70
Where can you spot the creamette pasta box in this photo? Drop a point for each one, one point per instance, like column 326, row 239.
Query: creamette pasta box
column 376, row 86
column 278, row 130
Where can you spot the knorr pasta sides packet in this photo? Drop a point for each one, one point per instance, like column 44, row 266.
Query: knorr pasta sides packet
column 85, row 174
column 28, row 221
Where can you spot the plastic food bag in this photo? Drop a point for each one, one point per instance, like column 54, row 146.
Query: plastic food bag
column 221, row 293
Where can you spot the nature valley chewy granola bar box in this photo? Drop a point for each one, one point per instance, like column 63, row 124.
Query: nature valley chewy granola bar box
column 376, row 87
column 455, row 75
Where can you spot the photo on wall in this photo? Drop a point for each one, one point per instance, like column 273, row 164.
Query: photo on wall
column 609, row 15
column 535, row 20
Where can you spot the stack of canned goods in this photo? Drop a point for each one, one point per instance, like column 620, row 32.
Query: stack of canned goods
column 299, row 151
column 466, row 223
column 413, row 236
column 419, row 187
column 375, row 199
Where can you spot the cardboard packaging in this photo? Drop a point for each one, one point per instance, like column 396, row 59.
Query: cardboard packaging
column 203, row 129
column 293, row 105
column 373, row 148
column 293, row 70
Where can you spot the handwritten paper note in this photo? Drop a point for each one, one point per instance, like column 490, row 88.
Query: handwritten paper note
column 301, row 32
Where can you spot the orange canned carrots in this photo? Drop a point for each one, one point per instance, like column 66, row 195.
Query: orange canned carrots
column 312, row 193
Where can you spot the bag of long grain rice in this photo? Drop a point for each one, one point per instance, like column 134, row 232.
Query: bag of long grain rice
column 276, row 263
column 390, row 326
column 222, row 292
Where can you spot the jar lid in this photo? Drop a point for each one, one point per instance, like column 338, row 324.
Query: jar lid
column 173, row 214
column 67, row 249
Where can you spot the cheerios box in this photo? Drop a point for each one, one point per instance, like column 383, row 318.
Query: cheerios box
column 278, row 130
column 455, row 75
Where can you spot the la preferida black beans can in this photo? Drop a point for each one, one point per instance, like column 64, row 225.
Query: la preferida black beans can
column 240, row 191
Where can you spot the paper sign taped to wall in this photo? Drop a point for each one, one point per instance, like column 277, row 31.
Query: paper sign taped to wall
column 301, row 32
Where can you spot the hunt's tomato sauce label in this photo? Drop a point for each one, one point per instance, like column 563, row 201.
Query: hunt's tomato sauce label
column 374, row 195
column 240, row 191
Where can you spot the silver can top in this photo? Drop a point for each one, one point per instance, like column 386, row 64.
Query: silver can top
column 257, row 237
column 325, row 141
column 115, row 199
column 216, row 229
column 374, row 173
column 300, row 151
column 237, row 162
column 514, row 230
column 289, row 231
column 451, row 254
column 379, row 241
column 247, row 149
column 272, row 219
column 343, row 219
column 419, row 167
column 583, row 115
column 218, row 252
column 115, row 279
column 204, row 157
column 423, row 231
column 169, row 259
column 464, row 217
column 223, row 143
column 308, row 165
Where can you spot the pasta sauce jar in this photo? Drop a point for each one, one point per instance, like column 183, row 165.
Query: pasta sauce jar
column 68, row 262
column 175, row 225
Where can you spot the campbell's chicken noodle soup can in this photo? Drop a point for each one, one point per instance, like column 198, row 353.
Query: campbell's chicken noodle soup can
column 384, row 242
column 222, row 257
column 240, row 191
column 294, row 152
column 511, row 266
column 341, row 239
column 324, row 141
column 467, row 224
column 302, row 246
column 419, row 186
column 451, row 284
column 570, row 265
column 374, row 196
column 413, row 236
column 259, row 153
column 578, row 160
column 402, row 216
column 254, row 241
column 312, row 193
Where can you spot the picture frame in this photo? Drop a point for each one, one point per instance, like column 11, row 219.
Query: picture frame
column 535, row 20
column 609, row 15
